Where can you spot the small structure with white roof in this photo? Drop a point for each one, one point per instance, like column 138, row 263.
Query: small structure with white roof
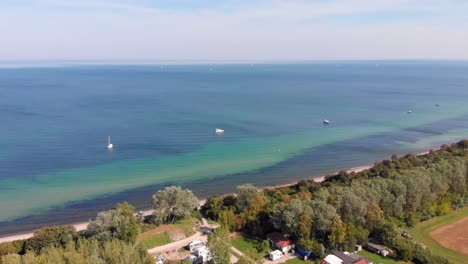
column 274, row 255
column 196, row 244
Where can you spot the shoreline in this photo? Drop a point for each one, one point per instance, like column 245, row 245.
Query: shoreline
column 80, row 226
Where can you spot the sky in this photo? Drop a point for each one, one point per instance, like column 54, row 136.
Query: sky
column 233, row 30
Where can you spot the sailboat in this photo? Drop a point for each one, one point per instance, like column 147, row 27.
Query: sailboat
column 109, row 144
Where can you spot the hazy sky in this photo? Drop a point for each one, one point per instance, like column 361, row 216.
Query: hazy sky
column 233, row 30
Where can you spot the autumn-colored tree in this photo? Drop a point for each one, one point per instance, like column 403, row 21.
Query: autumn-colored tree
column 227, row 219
column 337, row 233
column 374, row 216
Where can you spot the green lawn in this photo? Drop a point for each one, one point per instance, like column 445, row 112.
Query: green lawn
column 161, row 235
column 156, row 240
column 421, row 232
column 298, row 261
column 249, row 246
column 376, row 258
column 186, row 226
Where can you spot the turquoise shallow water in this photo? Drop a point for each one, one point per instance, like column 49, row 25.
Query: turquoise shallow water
column 55, row 167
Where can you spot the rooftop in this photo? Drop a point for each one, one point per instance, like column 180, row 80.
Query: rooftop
column 280, row 239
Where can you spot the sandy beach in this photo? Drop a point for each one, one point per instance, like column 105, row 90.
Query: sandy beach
column 83, row 225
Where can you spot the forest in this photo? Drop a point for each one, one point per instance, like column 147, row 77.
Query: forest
column 378, row 204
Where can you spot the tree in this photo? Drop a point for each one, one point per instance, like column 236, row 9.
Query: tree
column 11, row 259
column 323, row 215
column 338, row 233
column 218, row 243
column 119, row 223
column 305, row 225
column 84, row 252
column 227, row 219
column 252, row 214
column 133, row 228
column 245, row 193
column 173, row 203
column 213, row 207
column 374, row 216
column 285, row 217
column 311, row 245
column 8, row 248
column 55, row 236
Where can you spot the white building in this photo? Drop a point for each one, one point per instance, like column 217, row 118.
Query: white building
column 332, row 259
column 274, row 255
column 203, row 253
column 196, row 244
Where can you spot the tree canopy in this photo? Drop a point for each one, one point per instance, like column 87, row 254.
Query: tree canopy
column 173, row 203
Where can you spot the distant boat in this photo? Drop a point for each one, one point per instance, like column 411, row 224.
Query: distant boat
column 436, row 104
column 109, row 144
column 326, row 122
column 409, row 111
column 219, row 131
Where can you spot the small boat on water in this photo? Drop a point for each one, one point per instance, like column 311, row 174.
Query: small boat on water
column 109, row 144
column 326, row 122
column 409, row 111
column 436, row 104
column 219, row 131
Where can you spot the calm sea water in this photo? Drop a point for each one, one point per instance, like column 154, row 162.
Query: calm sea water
column 55, row 166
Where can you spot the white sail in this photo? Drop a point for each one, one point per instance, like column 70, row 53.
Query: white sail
column 109, row 144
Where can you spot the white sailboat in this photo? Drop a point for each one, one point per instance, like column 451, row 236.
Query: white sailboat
column 219, row 131
column 326, row 122
column 109, row 144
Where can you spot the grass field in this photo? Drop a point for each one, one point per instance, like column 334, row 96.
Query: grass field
column 248, row 246
column 421, row 232
column 166, row 234
column 377, row 258
column 298, row 261
column 156, row 240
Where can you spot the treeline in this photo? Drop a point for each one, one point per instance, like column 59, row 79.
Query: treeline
column 110, row 238
column 377, row 204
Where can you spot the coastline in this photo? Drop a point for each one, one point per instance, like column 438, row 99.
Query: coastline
column 80, row 226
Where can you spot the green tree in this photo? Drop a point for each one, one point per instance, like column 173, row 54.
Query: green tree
column 338, row 233
column 285, row 217
column 244, row 194
column 173, row 203
column 85, row 252
column 55, row 236
column 218, row 243
column 227, row 219
column 213, row 207
column 311, row 245
column 133, row 228
column 118, row 223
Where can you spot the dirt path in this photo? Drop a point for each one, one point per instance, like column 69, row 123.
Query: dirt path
column 176, row 245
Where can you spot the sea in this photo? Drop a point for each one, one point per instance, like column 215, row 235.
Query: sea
column 55, row 119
